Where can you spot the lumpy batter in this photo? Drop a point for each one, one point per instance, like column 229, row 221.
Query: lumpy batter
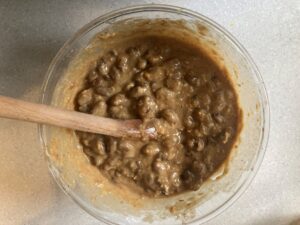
column 178, row 89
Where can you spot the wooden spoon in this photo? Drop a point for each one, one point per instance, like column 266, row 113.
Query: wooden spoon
column 21, row 110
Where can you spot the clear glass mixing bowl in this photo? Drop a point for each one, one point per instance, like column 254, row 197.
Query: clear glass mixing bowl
column 215, row 195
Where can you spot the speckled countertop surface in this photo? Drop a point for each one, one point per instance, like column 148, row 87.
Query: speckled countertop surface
column 31, row 32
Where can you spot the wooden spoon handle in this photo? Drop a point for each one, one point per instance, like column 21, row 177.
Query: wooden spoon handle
column 21, row 110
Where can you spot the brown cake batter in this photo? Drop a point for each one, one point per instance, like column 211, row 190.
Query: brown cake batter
column 178, row 89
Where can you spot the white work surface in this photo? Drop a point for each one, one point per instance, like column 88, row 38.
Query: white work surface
column 31, row 32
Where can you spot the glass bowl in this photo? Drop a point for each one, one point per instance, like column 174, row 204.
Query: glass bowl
column 215, row 195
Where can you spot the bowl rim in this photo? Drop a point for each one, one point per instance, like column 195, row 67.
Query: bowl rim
column 256, row 162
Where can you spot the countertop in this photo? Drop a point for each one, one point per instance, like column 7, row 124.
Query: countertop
column 31, row 32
